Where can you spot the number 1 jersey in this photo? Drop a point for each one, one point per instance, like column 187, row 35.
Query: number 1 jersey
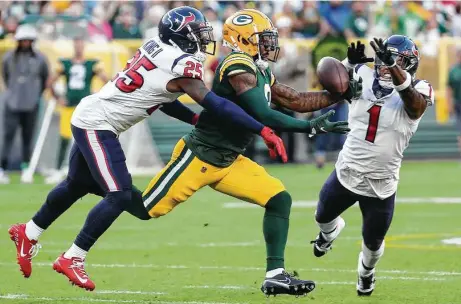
column 370, row 160
column 134, row 93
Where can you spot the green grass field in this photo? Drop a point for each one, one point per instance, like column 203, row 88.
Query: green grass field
column 206, row 252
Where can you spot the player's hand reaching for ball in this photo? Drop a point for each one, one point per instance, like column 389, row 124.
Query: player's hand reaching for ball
column 274, row 143
column 356, row 53
column 355, row 87
column 382, row 52
column 321, row 125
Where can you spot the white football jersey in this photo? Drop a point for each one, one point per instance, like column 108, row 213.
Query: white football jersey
column 134, row 93
column 370, row 160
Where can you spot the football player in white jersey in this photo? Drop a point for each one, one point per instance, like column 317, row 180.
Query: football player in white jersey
column 382, row 121
column 162, row 69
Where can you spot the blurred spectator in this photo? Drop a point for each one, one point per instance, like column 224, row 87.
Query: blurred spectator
column 126, row 26
column 25, row 72
column 454, row 93
column 429, row 38
column 212, row 17
column 99, row 29
column 308, row 22
column 358, row 21
column 290, row 69
column 11, row 24
column 413, row 19
column 228, row 11
column 336, row 13
column 286, row 13
column 149, row 25
column 456, row 21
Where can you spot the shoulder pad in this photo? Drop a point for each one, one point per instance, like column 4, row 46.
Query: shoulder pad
column 425, row 88
column 187, row 66
column 235, row 63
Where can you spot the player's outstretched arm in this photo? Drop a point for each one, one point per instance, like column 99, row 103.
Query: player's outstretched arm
column 253, row 99
column 415, row 103
column 227, row 110
column 290, row 98
column 179, row 111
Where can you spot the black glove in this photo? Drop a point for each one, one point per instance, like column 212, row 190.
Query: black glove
column 355, row 88
column 382, row 52
column 321, row 124
column 356, row 54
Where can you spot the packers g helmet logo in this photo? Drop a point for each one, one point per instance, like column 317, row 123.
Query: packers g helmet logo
column 242, row 19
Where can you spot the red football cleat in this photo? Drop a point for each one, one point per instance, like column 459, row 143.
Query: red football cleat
column 74, row 270
column 25, row 249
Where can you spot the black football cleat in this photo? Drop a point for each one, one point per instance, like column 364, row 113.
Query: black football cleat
column 285, row 283
column 366, row 285
column 321, row 245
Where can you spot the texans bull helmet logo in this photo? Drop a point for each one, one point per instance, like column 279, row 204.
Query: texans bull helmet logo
column 178, row 21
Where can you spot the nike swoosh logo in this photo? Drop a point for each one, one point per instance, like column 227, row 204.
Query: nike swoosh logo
column 323, row 130
column 22, row 250
column 286, row 286
column 83, row 281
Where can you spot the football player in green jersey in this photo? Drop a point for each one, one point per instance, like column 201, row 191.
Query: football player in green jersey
column 79, row 73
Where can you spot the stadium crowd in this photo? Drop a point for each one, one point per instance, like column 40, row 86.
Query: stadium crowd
column 107, row 20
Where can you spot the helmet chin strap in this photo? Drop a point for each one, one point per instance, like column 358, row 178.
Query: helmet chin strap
column 260, row 63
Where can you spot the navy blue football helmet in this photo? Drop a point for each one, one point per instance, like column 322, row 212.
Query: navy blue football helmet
column 405, row 52
column 187, row 28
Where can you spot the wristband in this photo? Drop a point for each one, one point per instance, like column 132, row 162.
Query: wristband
column 405, row 84
column 349, row 66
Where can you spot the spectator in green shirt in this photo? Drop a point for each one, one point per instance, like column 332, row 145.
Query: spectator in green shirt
column 358, row 21
column 454, row 93
column 126, row 26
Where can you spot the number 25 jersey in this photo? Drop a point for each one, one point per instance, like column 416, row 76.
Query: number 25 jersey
column 134, row 93
column 370, row 160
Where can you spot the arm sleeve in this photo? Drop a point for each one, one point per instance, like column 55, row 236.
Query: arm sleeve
column 426, row 89
column 179, row 111
column 255, row 103
column 231, row 112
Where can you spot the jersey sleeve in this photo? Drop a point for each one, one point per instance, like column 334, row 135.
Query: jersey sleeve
column 425, row 88
column 187, row 66
column 236, row 63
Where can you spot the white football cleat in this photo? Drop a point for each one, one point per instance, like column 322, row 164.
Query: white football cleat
column 322, row 245
column 365, row 284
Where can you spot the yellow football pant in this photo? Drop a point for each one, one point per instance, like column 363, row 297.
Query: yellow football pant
column 64, row 123
column 185, row 174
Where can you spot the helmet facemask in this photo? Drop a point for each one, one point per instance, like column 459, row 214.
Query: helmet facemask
column 267, row 43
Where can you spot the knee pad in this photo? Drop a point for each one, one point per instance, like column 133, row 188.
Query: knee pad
column 279, row 205
column 120, row 198
column 374, row 245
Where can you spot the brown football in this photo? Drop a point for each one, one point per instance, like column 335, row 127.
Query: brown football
column 333, row 75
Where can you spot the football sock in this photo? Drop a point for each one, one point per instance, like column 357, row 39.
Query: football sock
column 329, row 229
column 75, row 251
column 62, row 152
column 58, row 201
column 33, row 231
column 275, row 228
column 273, row 273
column 368, row 259
column 100, row 218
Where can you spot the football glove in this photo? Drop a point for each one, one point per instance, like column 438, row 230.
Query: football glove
column 321, row 125
column 356, row 54
column 274, row 143
column 382, row 52
column 355, row 88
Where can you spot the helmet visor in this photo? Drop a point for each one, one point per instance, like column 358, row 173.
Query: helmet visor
column 269, row 45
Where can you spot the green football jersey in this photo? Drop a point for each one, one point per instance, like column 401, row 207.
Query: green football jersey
column 78, row 79
column 214, row 140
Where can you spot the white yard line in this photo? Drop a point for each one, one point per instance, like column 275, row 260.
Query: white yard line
column 312, row 204
column 130, row 292
column 87, row 299
column 240, row 268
